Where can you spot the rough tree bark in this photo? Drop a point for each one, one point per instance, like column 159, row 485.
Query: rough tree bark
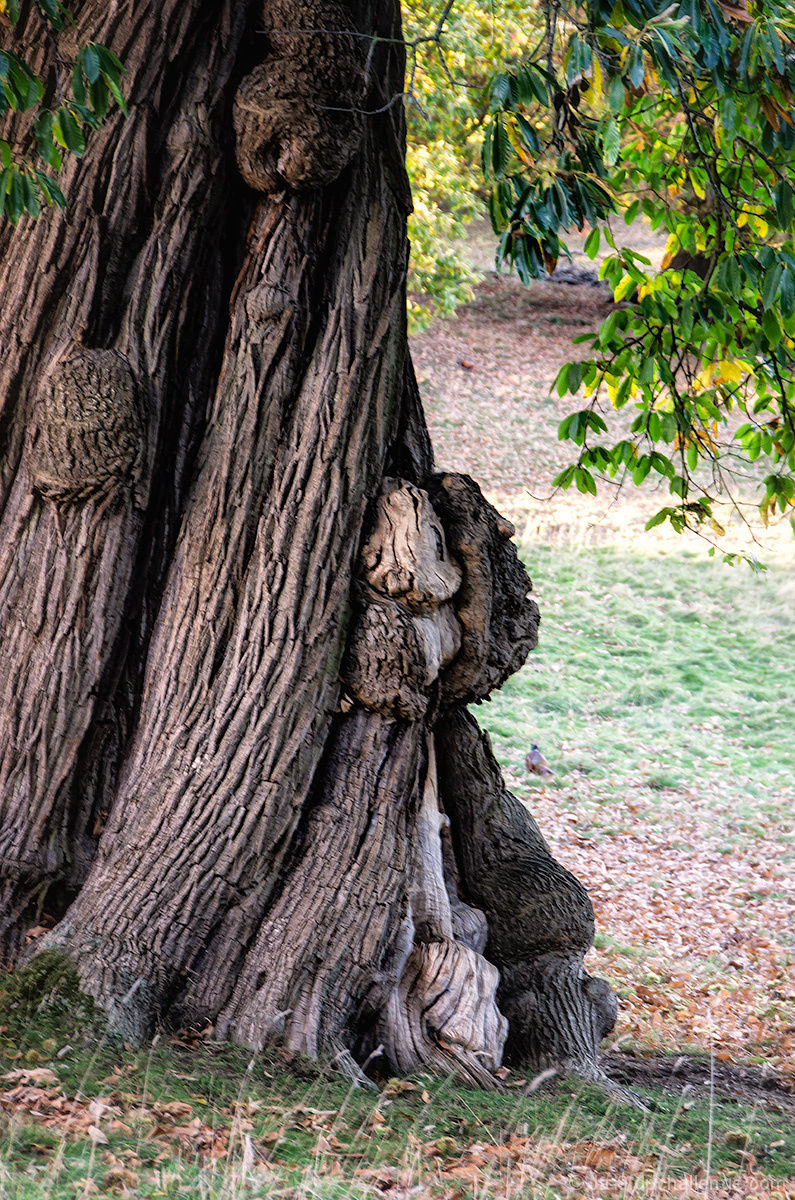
column 241, row 614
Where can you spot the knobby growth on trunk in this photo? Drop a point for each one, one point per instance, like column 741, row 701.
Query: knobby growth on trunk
column 242, row 616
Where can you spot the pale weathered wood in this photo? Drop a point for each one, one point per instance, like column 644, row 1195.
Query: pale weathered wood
column 443, row 1014
column 406, row 555
column 406, row 631
column 443, row 1011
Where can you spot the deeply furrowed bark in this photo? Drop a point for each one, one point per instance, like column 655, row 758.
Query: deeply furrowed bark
column 241, row 615
column 145, row 280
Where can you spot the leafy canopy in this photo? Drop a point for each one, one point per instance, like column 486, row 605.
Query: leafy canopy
column 681, row 113
column 51, row 121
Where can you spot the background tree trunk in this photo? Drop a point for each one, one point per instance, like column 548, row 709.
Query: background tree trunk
column 241, row 615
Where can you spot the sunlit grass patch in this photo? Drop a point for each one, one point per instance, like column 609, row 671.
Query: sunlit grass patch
column 211, row 1121
column 665, row 669
column 662, row 694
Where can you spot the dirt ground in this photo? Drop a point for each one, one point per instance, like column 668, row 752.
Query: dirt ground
column 683, row 1073
column 486, row 376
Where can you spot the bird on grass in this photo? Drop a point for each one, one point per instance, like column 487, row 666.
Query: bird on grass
column 537, row 764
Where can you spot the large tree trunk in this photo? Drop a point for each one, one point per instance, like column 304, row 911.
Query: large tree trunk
column 241, row 616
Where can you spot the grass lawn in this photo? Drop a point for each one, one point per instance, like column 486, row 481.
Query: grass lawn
column 209, row 1121
column 662, row 693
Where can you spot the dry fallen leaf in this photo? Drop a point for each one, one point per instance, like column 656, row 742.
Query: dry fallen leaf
column 36, row 1075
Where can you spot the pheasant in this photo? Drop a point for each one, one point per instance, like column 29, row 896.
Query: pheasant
column 537, row 764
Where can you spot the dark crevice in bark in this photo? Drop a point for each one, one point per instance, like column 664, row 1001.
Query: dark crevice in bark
column 411, row 455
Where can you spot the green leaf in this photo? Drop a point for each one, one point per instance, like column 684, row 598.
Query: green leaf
column 591, row 246
column 32, row 201
column 771, row 285
column 565, row 478
column 585, row 481
column 500, row 148
column 608, row 330
column 637, row 67
column 499, row 92
column 784, row 204
column 15, row 195
column 50, row 190
column 772, row 327
column 575, row 376
column 67, row 132
column 5, row 154
column 787, row 293
column 51, row 10
column 611, row 142
column 90, row 61
column 615, row 94
column 100, row 98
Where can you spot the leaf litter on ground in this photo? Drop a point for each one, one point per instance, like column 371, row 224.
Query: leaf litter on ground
column 691, row 876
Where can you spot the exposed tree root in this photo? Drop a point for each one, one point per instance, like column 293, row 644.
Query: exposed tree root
column 540, row 918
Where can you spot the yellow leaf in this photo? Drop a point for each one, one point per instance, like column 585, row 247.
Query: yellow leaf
column 612, row 390
column 697, row 187
column 727, row 372
column 704, row 378
column 626, row 285
column 717, row 527
column 671, row 247
column 596, row 75
column 761, row 226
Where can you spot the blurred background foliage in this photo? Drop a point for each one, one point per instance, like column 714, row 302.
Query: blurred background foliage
column 453, row 54
column 592, row 116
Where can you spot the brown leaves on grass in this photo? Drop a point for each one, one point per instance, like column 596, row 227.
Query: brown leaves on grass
column 523, row 1167
column 699, row 940
column 231, row 1144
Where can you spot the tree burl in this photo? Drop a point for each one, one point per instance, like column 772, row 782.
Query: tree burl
column 242, row 615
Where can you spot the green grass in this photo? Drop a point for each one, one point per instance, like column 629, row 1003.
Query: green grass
column 210, row 1120
column 667, row 670
column 657, row 676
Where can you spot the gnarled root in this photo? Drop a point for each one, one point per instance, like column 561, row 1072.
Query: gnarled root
column 540, row 918
column 443, row 1015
